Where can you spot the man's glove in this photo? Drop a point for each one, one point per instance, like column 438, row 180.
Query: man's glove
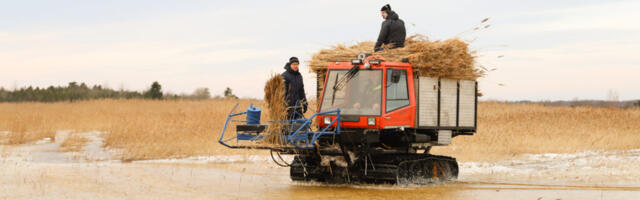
column 304, row 107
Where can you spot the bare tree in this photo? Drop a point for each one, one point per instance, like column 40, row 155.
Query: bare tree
column 201, row 93
column 613, row 98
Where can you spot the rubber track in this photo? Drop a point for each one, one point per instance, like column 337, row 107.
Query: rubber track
column 394, row 169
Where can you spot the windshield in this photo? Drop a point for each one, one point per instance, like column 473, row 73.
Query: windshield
column 361, row 95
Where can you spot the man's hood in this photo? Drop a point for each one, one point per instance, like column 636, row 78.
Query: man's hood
column 288, row 68
column 392, row 15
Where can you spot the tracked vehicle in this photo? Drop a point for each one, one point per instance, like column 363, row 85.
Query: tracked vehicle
column 376, row 122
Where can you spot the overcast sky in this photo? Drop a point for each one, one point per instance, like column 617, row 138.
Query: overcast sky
column 552, row 50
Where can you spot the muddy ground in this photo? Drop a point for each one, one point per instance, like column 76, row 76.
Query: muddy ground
column 41, row 171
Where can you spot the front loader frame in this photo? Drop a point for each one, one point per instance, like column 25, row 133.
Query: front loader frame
column 298, row 136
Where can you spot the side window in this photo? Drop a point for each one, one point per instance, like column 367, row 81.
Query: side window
column 397, row 91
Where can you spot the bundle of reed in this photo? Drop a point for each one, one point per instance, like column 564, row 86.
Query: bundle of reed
column 448, row 59
column 274, row 91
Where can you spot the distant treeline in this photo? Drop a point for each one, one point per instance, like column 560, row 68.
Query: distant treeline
column 574, row 103
column 76, row 92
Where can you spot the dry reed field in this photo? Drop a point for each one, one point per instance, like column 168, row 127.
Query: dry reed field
column 145, row 129
column 506, row 130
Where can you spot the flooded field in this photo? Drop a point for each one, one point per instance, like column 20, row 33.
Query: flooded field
column 41, row 171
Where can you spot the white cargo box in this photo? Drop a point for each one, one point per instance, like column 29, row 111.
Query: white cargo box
column 446, row 104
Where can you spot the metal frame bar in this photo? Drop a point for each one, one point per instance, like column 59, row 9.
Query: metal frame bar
column 416, row 91
column 439, row 88
column 458, row 103
column 475, row 114
column 293, row 137
column 224, row 129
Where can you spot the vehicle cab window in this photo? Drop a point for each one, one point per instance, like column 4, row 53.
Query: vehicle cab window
column 360, row 95
column 397, row 90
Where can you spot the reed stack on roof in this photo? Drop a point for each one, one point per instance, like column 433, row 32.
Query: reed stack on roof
column 447, row 59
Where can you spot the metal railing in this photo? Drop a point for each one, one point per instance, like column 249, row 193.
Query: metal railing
column 303, row 137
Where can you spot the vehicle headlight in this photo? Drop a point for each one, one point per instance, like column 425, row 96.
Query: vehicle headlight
column 327, row 120
column 371, row 121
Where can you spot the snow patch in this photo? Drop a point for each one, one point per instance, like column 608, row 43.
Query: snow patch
column 588, row 166
column 94, row 148
column 44, row 141
column 48, row 150
column 220, row 159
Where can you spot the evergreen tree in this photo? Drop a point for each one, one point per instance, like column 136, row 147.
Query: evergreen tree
column 155, row 92
column 228, row 94
column 75, row 91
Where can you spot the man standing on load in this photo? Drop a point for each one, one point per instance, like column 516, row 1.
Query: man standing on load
column 294, row 89
column 392, row 31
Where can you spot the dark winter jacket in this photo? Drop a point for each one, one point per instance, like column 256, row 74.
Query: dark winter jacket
column 294, row 87
column 392, row 31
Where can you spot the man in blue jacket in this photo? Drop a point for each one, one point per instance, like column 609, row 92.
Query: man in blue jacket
column 294, row 88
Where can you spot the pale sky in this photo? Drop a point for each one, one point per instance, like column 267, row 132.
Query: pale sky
column 553, row 50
